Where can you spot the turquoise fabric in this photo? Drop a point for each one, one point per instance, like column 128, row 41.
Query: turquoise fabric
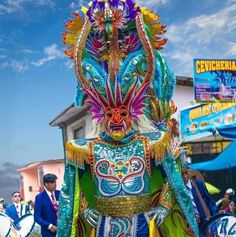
column 176, row 182
column 66, row 203
column 120, row 157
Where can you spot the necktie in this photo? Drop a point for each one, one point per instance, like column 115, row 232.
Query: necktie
column 54, row 203
column 17, row 209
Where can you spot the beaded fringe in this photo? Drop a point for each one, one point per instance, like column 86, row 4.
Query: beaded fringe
column 76, row 155
column 160, row 148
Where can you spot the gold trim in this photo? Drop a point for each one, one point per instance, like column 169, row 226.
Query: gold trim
column 123, row 206
column 147, row 47
column 160, row 147
column 80, row 44
column 77, row 154
column 167, row 198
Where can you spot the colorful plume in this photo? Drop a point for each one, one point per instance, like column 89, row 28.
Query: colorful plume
column 134, row 100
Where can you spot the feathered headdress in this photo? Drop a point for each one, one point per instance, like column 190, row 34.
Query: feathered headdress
column 116, row 56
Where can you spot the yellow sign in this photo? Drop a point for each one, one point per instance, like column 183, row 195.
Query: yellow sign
column 215, row 65
column 208, row 109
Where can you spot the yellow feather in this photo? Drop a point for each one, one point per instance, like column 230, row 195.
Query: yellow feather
column 84, row 10
column 70, row 38
column 160, row 148
column 77, row 154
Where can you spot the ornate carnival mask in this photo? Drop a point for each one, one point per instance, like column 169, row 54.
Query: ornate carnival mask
column 117, row 114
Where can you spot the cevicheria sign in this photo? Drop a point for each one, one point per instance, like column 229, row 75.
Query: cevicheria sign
column 214, row 80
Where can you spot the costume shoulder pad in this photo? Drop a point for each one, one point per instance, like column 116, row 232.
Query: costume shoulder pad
column 159, row 145
column 77, row 152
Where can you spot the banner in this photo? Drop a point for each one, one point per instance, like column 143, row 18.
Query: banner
column 214, row 80
column 200, row 120
column 221, row 225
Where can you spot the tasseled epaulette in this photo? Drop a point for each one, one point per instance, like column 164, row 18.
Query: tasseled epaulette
column 77, row 153
column 160, row 146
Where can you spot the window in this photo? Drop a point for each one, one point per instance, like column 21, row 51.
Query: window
column 79, row 132
column 40, row 175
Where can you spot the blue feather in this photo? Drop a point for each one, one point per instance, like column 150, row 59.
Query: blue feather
column 79, row 96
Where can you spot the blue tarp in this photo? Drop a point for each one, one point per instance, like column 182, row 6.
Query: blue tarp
column 227, row 131
column 225, row 160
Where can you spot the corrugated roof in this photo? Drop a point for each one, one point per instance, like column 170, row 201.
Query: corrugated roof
column 68, row 113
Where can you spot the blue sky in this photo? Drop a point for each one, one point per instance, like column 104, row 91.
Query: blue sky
column 37, row 81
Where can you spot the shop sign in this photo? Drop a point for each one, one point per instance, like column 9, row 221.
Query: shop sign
column 199, row 120
column 214, row 80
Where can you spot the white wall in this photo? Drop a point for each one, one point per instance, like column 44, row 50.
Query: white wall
column 57, row 169
column 86, row 121
column 183, row 98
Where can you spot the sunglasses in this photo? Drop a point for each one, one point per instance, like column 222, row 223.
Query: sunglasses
column 16, row 196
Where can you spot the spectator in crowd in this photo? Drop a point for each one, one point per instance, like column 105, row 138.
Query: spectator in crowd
column 223, row 203
column 46, row 206
column 17, row 209
column 2, row 205
column 231, row 207
column 203, row 205
column 31, row 205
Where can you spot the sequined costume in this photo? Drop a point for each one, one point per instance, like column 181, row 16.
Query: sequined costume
column 126, row 181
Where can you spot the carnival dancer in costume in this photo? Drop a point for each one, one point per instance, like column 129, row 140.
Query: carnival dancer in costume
column 126, row 181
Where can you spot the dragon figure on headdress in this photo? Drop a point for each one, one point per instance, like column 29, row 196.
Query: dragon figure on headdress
column 125, row 182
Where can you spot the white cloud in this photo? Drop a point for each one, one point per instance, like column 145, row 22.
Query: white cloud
column 11, row 6
column 152, row 3
column 74, row 5
column 27, row 51
column 19, row 66
column 205, row 28
column 51, row 53
column 164, row 1
column 232, row 50
column 204, row 36
column 183, row 61
column 50, row 3
column 3, row 56
column 15, row 65
column 4, row 65
column 69, row 64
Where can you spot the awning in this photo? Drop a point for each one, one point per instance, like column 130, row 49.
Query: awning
column 227, row 132
column 225, row 160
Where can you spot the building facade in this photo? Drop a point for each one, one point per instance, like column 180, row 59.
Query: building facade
column 31, row 176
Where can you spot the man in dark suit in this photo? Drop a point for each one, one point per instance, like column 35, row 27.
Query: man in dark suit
column 46, row 206
column 203, row 205
column 17, row 209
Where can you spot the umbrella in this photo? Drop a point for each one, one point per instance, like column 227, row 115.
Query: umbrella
column 211, row 188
